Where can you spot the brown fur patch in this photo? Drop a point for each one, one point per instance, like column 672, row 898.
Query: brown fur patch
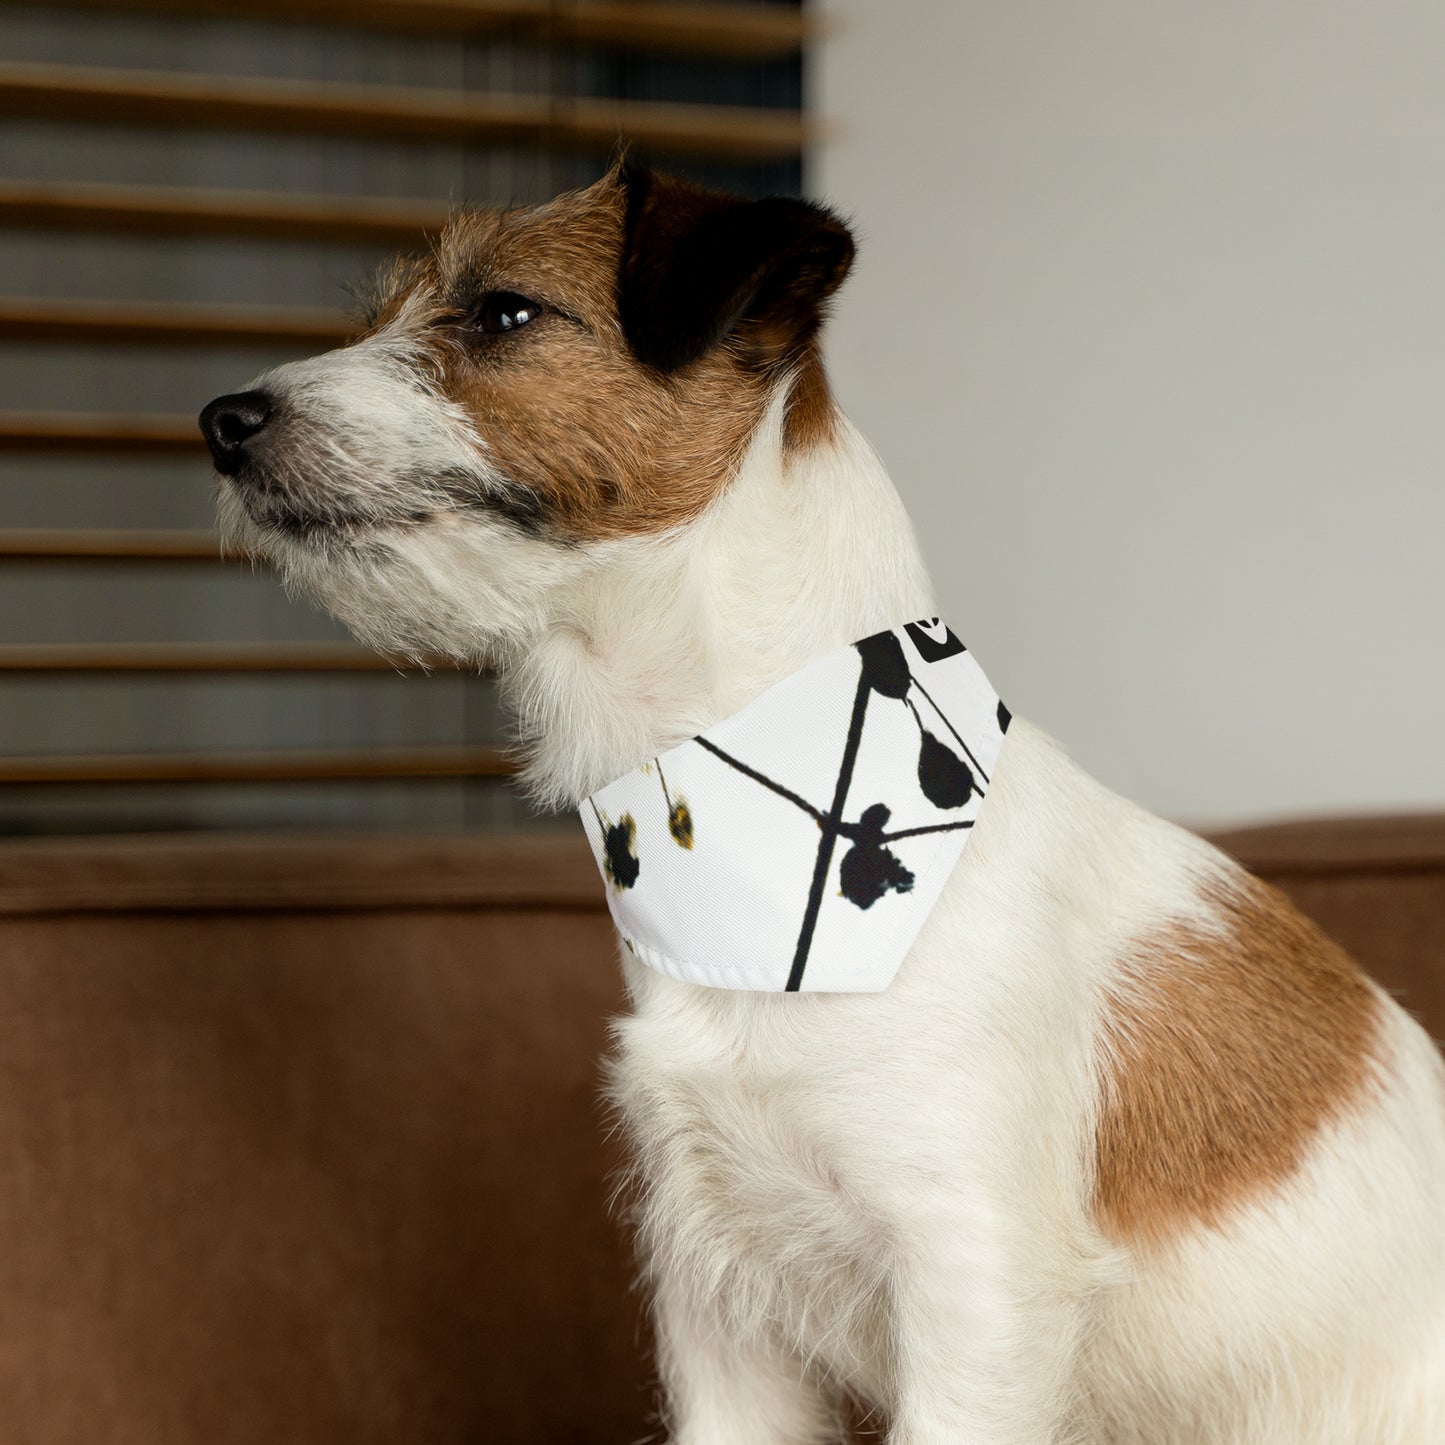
column 606, row 446
column 812, row 413
column 1226, row 1053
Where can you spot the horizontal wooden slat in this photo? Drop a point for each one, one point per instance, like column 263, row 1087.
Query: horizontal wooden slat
column 171, row 323
column 755, row 31
column 219, row 102
column 716, row 29
column 175, row 210
column 83, row 431
column 75, row 544
column 131, row 657
column 259, row 767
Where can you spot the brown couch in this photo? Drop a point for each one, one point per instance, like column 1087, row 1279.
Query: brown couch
column 300, row 1139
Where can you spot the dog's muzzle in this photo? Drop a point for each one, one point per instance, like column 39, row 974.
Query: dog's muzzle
column 230, row 422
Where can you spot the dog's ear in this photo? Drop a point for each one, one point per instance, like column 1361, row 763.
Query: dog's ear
column 699, row 266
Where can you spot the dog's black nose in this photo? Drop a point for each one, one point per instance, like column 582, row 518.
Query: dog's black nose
column 229, row 422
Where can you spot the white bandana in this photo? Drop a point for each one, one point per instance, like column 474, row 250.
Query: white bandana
column 802, row 842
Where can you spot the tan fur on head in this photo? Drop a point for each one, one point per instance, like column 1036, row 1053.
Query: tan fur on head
column 609, row 446
column 606, row 444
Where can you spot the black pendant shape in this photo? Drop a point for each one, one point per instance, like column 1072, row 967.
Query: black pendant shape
column 623, row 865
column 679, row 815
column 679, row 823
column 885, row 668
column 946, row 780
column 869, row 870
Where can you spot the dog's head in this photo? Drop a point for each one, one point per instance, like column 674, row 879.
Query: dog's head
column 547, row 383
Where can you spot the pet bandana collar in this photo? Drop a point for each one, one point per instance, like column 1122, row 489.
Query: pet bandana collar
column 801, row 843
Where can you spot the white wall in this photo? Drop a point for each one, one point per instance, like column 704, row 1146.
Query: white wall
column 1149, row 324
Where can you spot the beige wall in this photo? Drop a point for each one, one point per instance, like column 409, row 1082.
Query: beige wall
column 1149, row 323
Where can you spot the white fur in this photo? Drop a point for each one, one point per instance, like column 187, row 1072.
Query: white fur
column 890, row 1194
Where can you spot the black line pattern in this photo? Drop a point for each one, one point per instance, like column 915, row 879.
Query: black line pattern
column 869, row 869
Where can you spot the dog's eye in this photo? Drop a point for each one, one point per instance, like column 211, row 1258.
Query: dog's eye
column 504, row 311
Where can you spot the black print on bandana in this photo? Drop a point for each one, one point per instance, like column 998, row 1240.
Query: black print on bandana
column 870, row 869
column 618, row 842
column 679, row 815
column 934, row 640
column 944, row 776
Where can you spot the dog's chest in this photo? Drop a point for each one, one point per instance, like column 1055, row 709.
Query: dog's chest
column 746, row 1184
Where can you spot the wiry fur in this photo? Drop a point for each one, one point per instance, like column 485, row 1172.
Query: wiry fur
column 896, row 1196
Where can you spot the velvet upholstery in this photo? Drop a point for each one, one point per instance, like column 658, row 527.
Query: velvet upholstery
column 302, row 1139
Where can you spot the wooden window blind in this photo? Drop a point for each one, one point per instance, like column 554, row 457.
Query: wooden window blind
column 185, row 188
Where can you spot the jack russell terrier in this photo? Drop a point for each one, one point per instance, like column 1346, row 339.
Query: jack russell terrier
column 1064, row 1130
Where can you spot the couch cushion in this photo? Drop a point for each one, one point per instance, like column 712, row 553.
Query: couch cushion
column 303, row 1142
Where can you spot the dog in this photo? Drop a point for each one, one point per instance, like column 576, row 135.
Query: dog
column 1127, row 1153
